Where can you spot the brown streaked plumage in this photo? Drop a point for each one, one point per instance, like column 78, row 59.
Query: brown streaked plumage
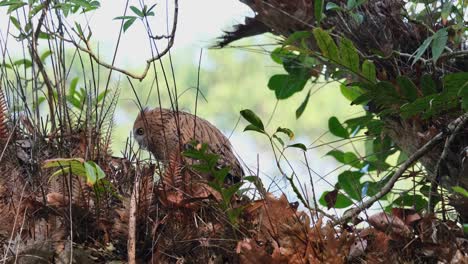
column 163, row 131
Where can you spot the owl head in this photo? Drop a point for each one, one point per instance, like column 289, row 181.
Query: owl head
column 141, row 128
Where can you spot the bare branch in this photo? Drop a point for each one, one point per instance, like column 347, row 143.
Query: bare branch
column 87, row 49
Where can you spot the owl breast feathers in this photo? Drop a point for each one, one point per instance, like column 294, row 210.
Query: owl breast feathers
column 163, row 132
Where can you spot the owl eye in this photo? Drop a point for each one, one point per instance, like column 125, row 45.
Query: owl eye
column 140, row 131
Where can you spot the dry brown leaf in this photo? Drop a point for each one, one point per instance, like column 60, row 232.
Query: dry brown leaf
column 389, row 223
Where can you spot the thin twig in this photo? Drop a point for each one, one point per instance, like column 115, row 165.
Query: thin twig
column 141, row 76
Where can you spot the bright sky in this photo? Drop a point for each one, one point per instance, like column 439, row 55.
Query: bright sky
column 199, row 23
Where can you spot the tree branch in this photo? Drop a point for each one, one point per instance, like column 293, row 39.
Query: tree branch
column 452, row 127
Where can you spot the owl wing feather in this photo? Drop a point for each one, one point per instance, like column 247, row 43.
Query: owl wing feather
column 171, row 131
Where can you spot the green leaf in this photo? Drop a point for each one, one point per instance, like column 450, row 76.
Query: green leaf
column 351, row 4
column 349, row 55
column 128, row 23
column 326, row 44
column 36, row 9
column 280, row 54
column 286, row 85
column 402, row 157
column 286, row 131
column 368, row 71
column 428, row 85
column 341, row 201
column 336, row 128
column 79, row 29
column 124, row 17
column 351, row 92
column 416, row 201
column 408, row 88
column 72, row 165
column 350, row 182
column 318, row 10
column 94, row 173
column 279, row 140
column 220, row 175
column 382, row 148
column 332, row 7
column 151, row 8
column 438, row 43
column 253, row 128
column 303, row 106
column 348, row 158
column 27, row 63
column 460, row 190
column 137, row 11
column 294, row 37
column 446, row 10
column 45, row 55
column 362, row 99
column 15, row 22
column 420, row 51
column 229, row 192
column 13, row 7
column 358, row 17
column 252, row 118
column 299, row 146
column 417, row 107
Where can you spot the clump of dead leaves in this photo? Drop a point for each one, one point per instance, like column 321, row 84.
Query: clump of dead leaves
column 179, row 220
column 282, row 234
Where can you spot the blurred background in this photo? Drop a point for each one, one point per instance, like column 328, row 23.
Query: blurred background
column 231, row 79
